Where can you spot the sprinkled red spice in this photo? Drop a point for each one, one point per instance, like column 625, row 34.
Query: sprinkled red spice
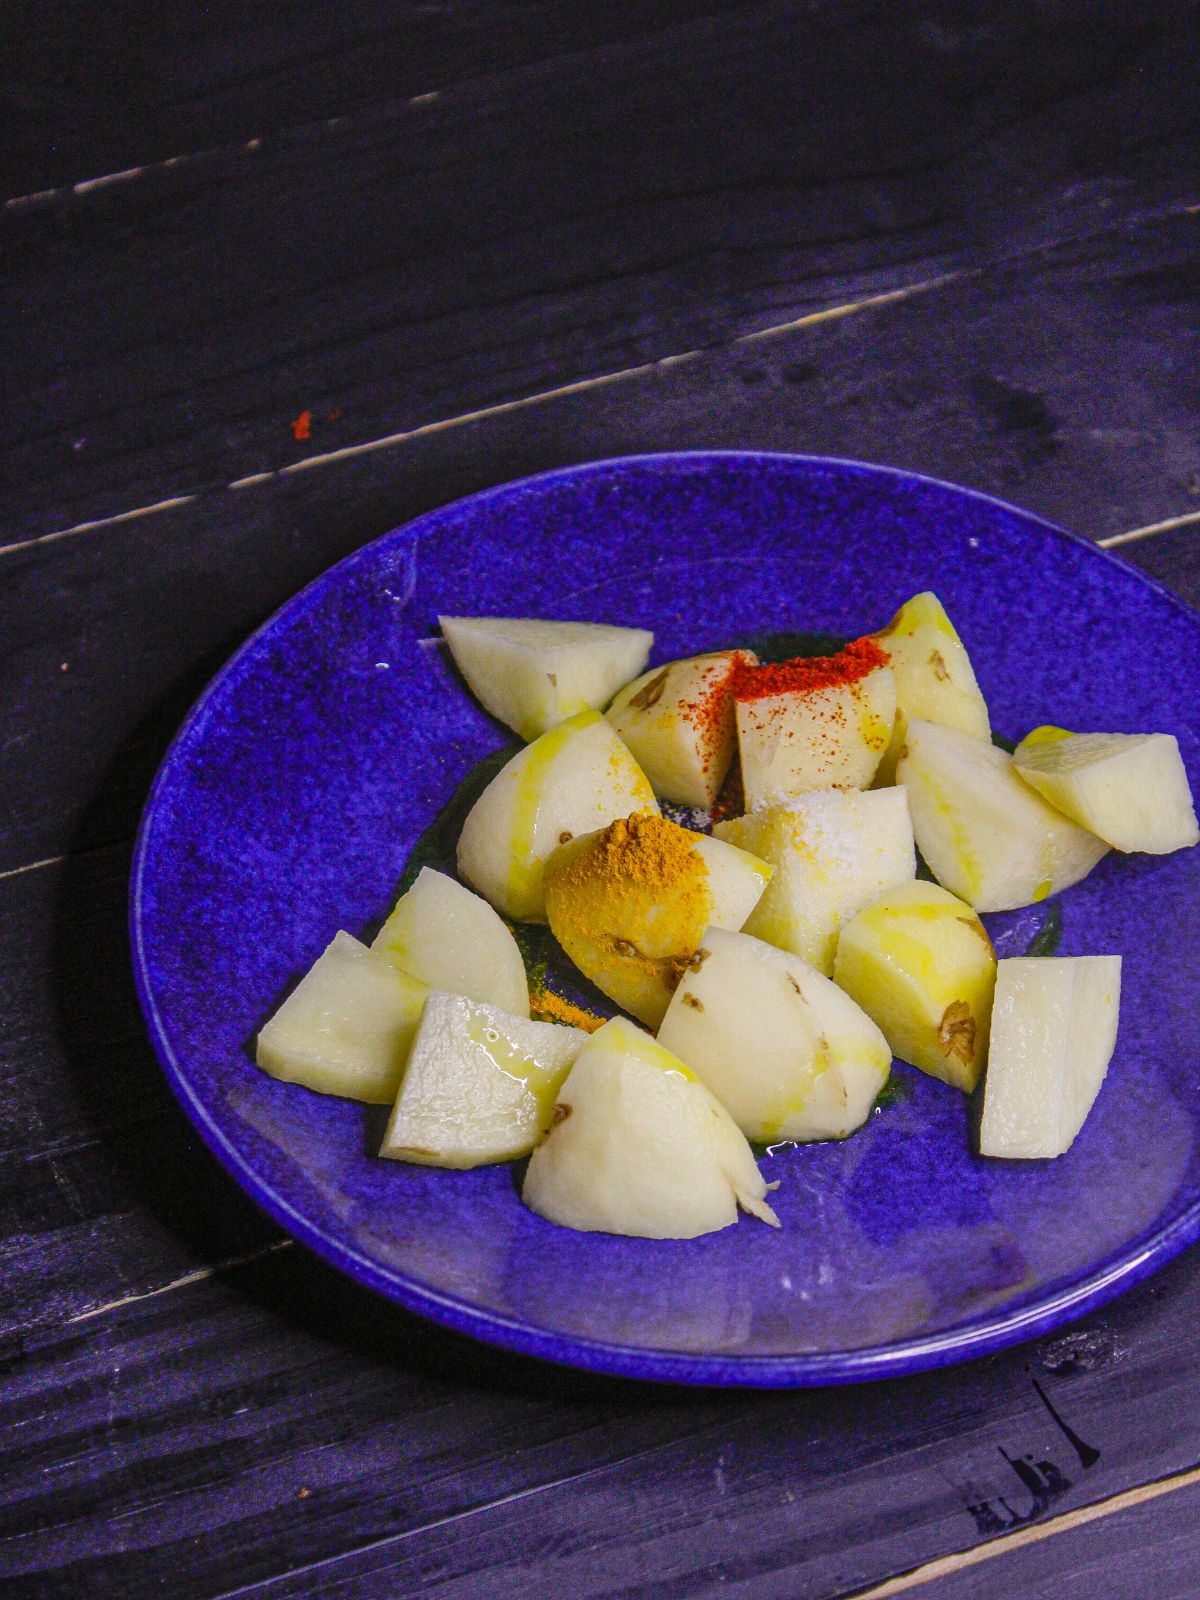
column 710, row 711
column 806, row 673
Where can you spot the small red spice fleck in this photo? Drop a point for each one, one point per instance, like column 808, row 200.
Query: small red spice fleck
column 803, row 674
column 302, row 427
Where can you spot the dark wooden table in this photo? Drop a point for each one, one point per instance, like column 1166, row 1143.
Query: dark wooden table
column 279, row 277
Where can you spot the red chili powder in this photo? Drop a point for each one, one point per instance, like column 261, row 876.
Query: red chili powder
column 806, row 673
column 711, row 711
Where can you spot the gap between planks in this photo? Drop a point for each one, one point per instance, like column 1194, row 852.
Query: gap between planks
column 1109, row 542
column 197, row 1276
column 903, row 1583
column 948, row 1566
column 1184, row 521
column 483, row 413
column 578, row 386
column 288, row 133
column 31, row 866
column 264, row 1586
column 543, row 396
column 917, row 1577
column 149, row 169
column 929, row 1572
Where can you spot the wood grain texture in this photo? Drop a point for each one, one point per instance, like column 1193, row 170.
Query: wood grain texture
column 278, row 1421
column 561, row 218
column 105, row 1190
column 585, row 193
column 87, row 94
column 1064, row 383
column 1150, row 1547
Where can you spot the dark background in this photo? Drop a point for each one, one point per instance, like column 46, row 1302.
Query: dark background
column 470, row 242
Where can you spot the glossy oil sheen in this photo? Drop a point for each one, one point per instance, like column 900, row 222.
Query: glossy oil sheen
column 291, row 800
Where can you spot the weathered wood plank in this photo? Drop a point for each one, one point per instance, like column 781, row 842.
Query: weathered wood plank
column 1063, row 383
column 279, row 1421
column 91, row 95
column 1149, row 1547
column 105, row 1190
column 552, row 221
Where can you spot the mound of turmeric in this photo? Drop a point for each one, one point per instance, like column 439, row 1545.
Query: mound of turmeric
column 630, row 905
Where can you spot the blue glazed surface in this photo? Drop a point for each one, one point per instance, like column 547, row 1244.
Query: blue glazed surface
column 292, row 798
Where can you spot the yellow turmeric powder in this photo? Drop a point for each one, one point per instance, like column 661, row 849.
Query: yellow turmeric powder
column 629, row 906
column 645, row 849
column 546, row 1006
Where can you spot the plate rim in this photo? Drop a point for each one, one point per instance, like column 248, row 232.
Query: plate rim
column 986, row 1333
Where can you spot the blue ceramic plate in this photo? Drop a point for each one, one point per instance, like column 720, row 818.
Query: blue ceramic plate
column 300, row 786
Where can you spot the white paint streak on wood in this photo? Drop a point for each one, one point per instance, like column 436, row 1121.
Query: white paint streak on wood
column 32, row 866
column 22, row 202
column 946, row 1566
column 542, row 397
column 100, row 522
column 89, row 185
column 832, row 313
column 1151, row 528
column 198, row 1276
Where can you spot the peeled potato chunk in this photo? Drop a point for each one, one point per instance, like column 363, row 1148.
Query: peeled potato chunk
column 1130, row 789
column 574, row 779
column 638, row 1146
column 919, row 962
column 451, row 939
column 784, row 1050
column 534, row 674
column 817, row 722
column 630, row 903
column 347, row 1028
column 678, row 721
column 985, row 834
column 832, row 851
column 934, row 677
column 479, row 1086
column 1054, row 1029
